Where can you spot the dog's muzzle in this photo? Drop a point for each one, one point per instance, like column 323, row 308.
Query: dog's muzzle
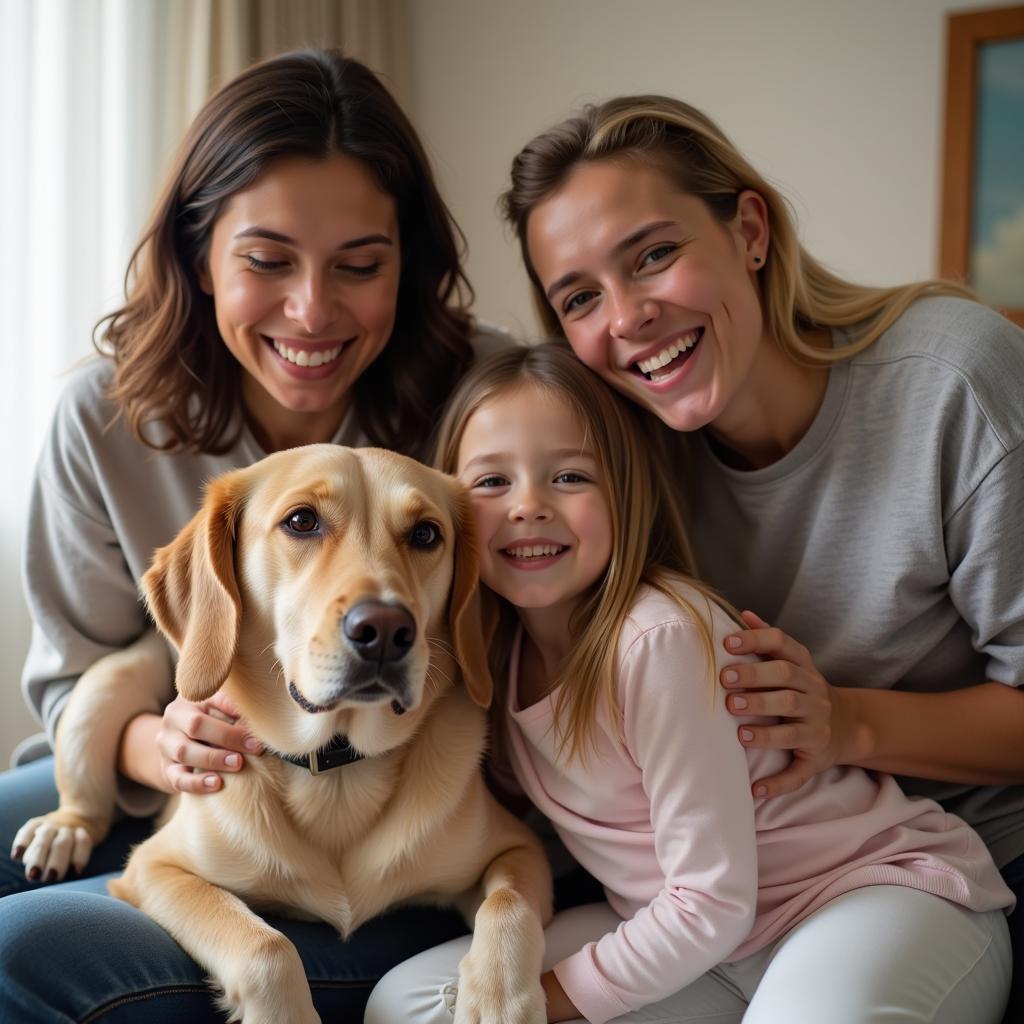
column 380, row 635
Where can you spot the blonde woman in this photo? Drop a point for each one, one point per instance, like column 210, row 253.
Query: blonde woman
column 719, row 906
column 856, row 455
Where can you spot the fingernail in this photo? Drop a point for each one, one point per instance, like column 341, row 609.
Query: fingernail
column 33, row 874
column 733, row 642
column 51, row 876
column 233, row 760
column 18, row 852
column 253, row 744
column 760, row 791
column 730, row 676
column 739, row 703
column 746, row 735
column 210, row 781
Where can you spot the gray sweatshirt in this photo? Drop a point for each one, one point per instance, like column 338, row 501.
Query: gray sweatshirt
column 890, row 540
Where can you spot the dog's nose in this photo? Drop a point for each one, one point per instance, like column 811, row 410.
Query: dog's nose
column 378, row 631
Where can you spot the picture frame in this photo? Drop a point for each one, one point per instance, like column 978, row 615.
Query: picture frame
column 982, row 222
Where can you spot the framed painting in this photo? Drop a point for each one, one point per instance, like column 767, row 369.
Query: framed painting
column 982, row 233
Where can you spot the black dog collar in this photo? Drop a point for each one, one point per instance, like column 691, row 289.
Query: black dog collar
column 338, row 753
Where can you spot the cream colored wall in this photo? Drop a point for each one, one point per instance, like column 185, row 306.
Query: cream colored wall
column 839, row 102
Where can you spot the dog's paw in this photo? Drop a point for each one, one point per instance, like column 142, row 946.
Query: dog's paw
column 51, row 844
column 259, row 1012
column 267, row 986
column 486, row 994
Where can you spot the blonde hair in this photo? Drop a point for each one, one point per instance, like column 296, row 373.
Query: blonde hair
column 649, row 539
column 798, row 293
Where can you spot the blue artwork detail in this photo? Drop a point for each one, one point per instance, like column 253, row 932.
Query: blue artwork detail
column 997, row 214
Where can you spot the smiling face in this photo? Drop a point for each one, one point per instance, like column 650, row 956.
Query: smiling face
column 538, row 499
column 304, row 269
column 653, row 293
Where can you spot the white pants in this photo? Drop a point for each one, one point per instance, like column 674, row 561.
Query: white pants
column 877, row 955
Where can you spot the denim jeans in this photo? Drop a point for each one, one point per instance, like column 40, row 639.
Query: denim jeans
column 70, row 952
column 1013, row 875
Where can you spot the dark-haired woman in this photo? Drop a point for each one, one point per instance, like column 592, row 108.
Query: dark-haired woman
column 299, row 282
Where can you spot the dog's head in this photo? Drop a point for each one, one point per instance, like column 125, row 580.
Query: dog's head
column 336, row 587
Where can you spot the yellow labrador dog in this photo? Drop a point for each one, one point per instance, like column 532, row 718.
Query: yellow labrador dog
column 332, row 592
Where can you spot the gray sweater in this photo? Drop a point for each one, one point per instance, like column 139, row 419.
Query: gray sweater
column 890, row 540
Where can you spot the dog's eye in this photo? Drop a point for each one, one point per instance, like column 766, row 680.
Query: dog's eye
column 425, row 535
column 302, row 520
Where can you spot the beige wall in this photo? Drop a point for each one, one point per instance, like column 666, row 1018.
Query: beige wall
column 839, row 102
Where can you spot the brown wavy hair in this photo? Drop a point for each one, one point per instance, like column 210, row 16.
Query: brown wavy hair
column 650, row 544
column 798, row 294
column 170, row 364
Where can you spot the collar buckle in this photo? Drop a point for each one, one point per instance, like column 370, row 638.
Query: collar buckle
column 338, row 753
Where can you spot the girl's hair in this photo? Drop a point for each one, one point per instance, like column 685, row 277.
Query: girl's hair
column 649, row 540
column 170, row 363
column 798, row 293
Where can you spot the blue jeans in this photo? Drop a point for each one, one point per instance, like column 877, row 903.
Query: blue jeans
column 71, row 953
column 1013, row 875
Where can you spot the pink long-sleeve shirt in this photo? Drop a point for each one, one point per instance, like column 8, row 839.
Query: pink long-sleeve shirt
column 699, row 871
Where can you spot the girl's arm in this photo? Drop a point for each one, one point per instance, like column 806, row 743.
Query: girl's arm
column 559, row 1006
column 697, row 781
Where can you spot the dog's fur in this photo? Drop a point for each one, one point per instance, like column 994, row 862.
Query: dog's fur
column 254, row 605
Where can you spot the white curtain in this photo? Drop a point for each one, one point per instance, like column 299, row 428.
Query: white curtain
column 96, row 95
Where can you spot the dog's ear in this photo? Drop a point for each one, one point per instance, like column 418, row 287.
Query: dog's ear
column 464, row 616
column 193, row 595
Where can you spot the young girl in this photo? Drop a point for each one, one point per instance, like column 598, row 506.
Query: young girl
column 807, row 908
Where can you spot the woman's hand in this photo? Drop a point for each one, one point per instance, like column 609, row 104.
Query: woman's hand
column 817, row 724
column 196, row 742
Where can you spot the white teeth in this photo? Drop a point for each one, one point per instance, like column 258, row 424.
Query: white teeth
column 666, row 355
column 534, row 551
column 303, row 357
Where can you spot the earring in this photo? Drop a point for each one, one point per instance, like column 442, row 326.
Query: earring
column 757, row 259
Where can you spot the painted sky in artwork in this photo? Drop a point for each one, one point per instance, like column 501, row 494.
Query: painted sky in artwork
column 997, row 216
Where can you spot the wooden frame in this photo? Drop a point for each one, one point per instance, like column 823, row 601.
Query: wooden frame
column 966, row 33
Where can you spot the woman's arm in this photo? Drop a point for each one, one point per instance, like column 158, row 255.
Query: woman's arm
column 138, row 756
column 84, row 606
column 974, row 735
column 87, row 527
